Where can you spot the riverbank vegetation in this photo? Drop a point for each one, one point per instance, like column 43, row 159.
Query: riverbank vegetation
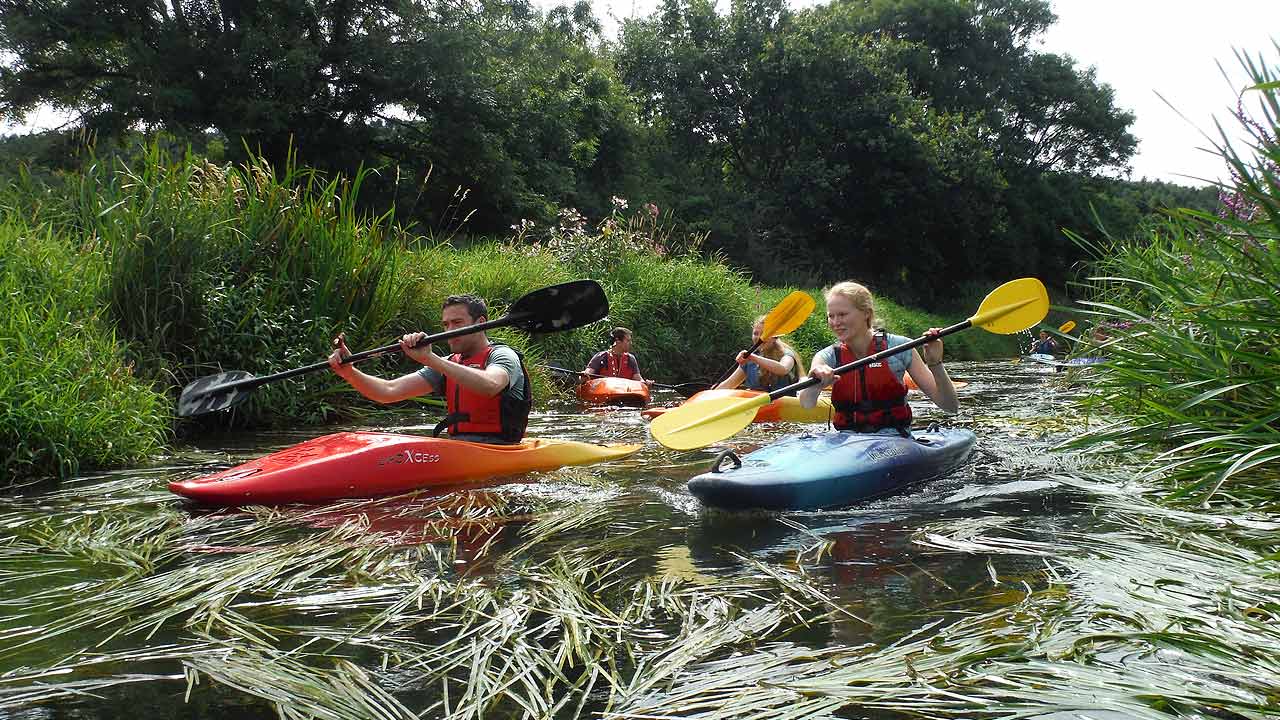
column 69, row 396
column 1191, row 314
column 170, row 268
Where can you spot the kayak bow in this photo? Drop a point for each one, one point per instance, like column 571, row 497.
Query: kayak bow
column 613, row 391
column 373, row 464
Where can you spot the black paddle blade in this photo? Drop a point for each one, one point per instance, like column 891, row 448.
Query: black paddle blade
column 560, row 307
column 207, row 394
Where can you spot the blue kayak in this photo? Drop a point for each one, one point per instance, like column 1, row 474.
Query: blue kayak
column 813, row 471
column 1044, row 359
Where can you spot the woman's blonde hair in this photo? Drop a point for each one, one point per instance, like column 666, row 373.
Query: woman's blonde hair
column 858, row 296
column 776, row 352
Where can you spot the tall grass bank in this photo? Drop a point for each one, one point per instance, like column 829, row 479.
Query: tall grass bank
column 68, row 396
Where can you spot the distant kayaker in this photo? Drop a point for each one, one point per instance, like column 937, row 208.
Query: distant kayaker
column 617, row 361
column 873, row 398
column 775, row 364
column 1046, row 345
column 485, row 386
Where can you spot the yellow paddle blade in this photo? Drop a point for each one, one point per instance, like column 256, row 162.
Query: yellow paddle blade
column 1067, row 326
column 1012, row 307
column 695, row 425
column 788, row 314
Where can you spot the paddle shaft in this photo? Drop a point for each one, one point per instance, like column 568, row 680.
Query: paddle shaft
column 250, row 383
column 750, row 350
column 909, row 345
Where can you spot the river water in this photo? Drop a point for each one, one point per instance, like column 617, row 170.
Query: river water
column 1031, row 582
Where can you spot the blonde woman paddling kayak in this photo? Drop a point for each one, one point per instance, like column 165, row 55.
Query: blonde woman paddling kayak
column 873, row 398
column 774, row 365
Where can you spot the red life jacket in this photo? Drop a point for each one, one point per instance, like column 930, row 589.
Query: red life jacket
column 873, row 396
column 618, row 366
column 501, row 416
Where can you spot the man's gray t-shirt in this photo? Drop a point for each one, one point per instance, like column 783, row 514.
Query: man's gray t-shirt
column 898, row 362
column 502, row 356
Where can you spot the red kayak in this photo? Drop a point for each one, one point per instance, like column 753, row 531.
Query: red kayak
column 371, row 464
column 613, row 391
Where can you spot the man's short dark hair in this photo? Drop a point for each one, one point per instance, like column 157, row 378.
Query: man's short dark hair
column 619, row 333
column 475, row 306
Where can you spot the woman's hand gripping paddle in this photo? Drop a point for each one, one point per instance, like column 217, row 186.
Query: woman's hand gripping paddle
column 550, row 309
column 789, row 314
column 1010, row 308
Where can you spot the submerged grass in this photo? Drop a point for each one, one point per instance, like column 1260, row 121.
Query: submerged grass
column 607, row 597
column 328, row 612
column 1191, row 322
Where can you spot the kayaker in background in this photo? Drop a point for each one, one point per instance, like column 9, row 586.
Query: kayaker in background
column 485, row 386
column 873, row 398
column 774, row 365
column 617, row 361
column 1046, row 345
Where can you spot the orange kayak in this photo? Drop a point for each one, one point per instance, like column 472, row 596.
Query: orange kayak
column 613, row 391
column 373, row 464
column 784, row 409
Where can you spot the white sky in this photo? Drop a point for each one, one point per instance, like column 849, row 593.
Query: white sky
column 1174, row 48
column 1140, row 48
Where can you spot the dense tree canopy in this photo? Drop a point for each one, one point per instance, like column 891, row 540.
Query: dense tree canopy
column 495, row 97
column 922, row 144
column 817, row 134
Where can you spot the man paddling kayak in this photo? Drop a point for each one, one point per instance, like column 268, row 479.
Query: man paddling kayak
column 616, row 361
column 485, row 386
column 873, row 398
column 1046, row 345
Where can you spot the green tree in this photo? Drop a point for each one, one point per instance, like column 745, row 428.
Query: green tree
column 976, row 57
column 817, row 135
column 493, row 97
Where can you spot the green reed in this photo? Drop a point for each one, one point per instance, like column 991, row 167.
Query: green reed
column 1192, row 313
column 67, row 397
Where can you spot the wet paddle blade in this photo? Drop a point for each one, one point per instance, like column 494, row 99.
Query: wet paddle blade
column 1067, row 326
column 1013, row 307
column 788, row 314
column 695, row 425
column 210, row 394
column 560, row 307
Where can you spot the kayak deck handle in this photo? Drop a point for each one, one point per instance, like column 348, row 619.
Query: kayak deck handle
column 737, row 462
